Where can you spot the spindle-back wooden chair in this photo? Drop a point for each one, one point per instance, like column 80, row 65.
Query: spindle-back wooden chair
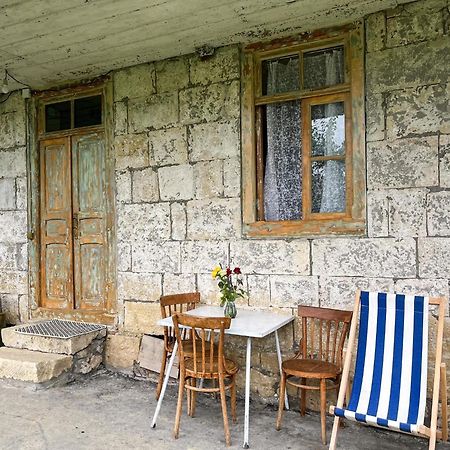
column 207, row 361
column 322, row 341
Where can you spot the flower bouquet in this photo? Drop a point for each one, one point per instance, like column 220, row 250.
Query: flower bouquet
column 230, row 286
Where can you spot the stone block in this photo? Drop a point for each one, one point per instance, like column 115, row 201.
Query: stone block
column 444, row 161
column 214, row 219
column 172, row 75
column 223, row 66
column 131, row 151
column 9, row 304
column 208, row 179
column 157, row 257
column 143, row 222
column 375, row 32
column 418, row 111
column 202, row 256
column 13, row 163
column 123, row 186
column 176, row 283
column 142, row 317
column 145, row 185
column 21, row 193
column 434, row 254
column 168, row 146
column 136, row 81
column 123, row 257
column 271, row 257
column 210, row 293
column 438, row 213
column 24, row 308
column 122, row 350
column 231, row 177
column 375, row 117
column 13, row 282
column 14, row 226
column 36, row 367
column 22, row 256
column 12, row 130
column 209, row 103
column 340, row 292
column 7, row 193
column 258, row 290
column 377, row 214
column 120, row 118
column 428, row 287
column 8, row 256
column 292, row 290
column 213, row 141
column 377, row 258
column 403, row 163
column 139, row 286
column 15, row 103
column 178, row 221
column 176, row 182
column 152, row 113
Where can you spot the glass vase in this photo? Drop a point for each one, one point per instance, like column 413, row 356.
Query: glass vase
column 229, row 310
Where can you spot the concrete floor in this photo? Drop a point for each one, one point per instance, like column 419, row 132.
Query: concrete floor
column 109, row 411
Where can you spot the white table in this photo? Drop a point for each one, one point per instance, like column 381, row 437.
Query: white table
column 248, row 323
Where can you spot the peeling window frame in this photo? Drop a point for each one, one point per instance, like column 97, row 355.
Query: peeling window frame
column 353, row 221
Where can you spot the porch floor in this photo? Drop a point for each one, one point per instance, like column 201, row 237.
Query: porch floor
column 109, row 411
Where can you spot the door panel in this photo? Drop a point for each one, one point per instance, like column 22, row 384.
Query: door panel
column 90, row 213
column 56, row 224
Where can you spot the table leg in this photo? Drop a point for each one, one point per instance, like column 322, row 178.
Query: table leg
column 164, row 386
column 277, row 341
column 247, row 393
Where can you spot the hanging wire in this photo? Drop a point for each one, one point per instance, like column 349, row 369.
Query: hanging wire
column 9, row 74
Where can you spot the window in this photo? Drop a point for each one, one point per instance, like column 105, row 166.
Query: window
column 303, row 136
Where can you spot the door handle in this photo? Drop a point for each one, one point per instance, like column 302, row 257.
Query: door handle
column 75, row 227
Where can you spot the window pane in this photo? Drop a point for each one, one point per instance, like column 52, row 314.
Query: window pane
column 88, row 111
column 328, row 129
column 280, row 75
column 328, row 186
column 57, row 116
column 322, row 68
column 282, row 159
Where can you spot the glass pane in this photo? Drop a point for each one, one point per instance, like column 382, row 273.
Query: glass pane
column 282, row 159
column 280, row 75
column 328, row 186
column 322, row 68
column 88, row 111
column 328, row 129
column 57, row 116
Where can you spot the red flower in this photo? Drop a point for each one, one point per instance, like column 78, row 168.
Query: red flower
column 237, row 271
column 228, row 271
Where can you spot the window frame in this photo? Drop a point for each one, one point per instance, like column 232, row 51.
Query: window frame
column 353, row 220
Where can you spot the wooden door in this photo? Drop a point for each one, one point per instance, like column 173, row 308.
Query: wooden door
column 74, row 223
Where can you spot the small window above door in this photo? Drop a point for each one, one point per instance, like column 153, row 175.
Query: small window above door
column 74, row 113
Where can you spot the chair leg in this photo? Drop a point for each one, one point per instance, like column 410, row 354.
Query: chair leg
column 444, row 402
column 194, row 397
column 161, row 373
column 323, row 407
column 188, row 396
column 223, row 401
column 233, row 398
column 176, row 428
column 281, row 400
column 303, row 398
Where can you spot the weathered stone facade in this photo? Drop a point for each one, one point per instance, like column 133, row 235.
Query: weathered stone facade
column 178, row 185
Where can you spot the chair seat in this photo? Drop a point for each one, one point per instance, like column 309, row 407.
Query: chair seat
column 212, row 371
column 310, row 368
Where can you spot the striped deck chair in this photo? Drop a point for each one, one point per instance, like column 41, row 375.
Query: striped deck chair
column 390, row 378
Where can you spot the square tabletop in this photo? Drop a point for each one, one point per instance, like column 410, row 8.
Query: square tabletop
column 249, row 323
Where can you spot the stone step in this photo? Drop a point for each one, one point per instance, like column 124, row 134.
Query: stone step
column 32, row 366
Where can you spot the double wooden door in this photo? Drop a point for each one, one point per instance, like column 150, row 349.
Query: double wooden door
column 75, row 224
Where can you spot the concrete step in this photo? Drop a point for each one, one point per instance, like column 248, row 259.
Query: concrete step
column 32, row 366
column 68, row 346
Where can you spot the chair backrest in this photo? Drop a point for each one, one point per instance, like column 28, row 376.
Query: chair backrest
column 324, row 331
column 176, row 303
column 207, row 358
column 391, row 365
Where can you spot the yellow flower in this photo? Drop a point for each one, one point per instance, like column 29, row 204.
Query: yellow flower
column 216, row 271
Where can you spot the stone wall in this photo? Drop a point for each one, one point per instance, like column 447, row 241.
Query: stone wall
column 13, row 210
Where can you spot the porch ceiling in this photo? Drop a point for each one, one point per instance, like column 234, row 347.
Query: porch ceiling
column 50, row 42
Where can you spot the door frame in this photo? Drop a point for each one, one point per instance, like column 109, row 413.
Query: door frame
column 35, row 134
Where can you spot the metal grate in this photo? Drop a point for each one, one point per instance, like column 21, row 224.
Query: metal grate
column 62, row 329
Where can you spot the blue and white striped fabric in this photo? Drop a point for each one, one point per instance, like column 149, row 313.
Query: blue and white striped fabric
column 390, row 382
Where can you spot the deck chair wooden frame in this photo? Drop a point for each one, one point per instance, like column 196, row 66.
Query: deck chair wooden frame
column 439, row 384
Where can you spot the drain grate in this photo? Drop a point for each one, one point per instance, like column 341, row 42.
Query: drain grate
column 63, row 329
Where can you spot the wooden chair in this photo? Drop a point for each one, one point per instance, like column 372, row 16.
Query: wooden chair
column 171, row 304
column 206, row 362
column 390, row 383
column 319, row 359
